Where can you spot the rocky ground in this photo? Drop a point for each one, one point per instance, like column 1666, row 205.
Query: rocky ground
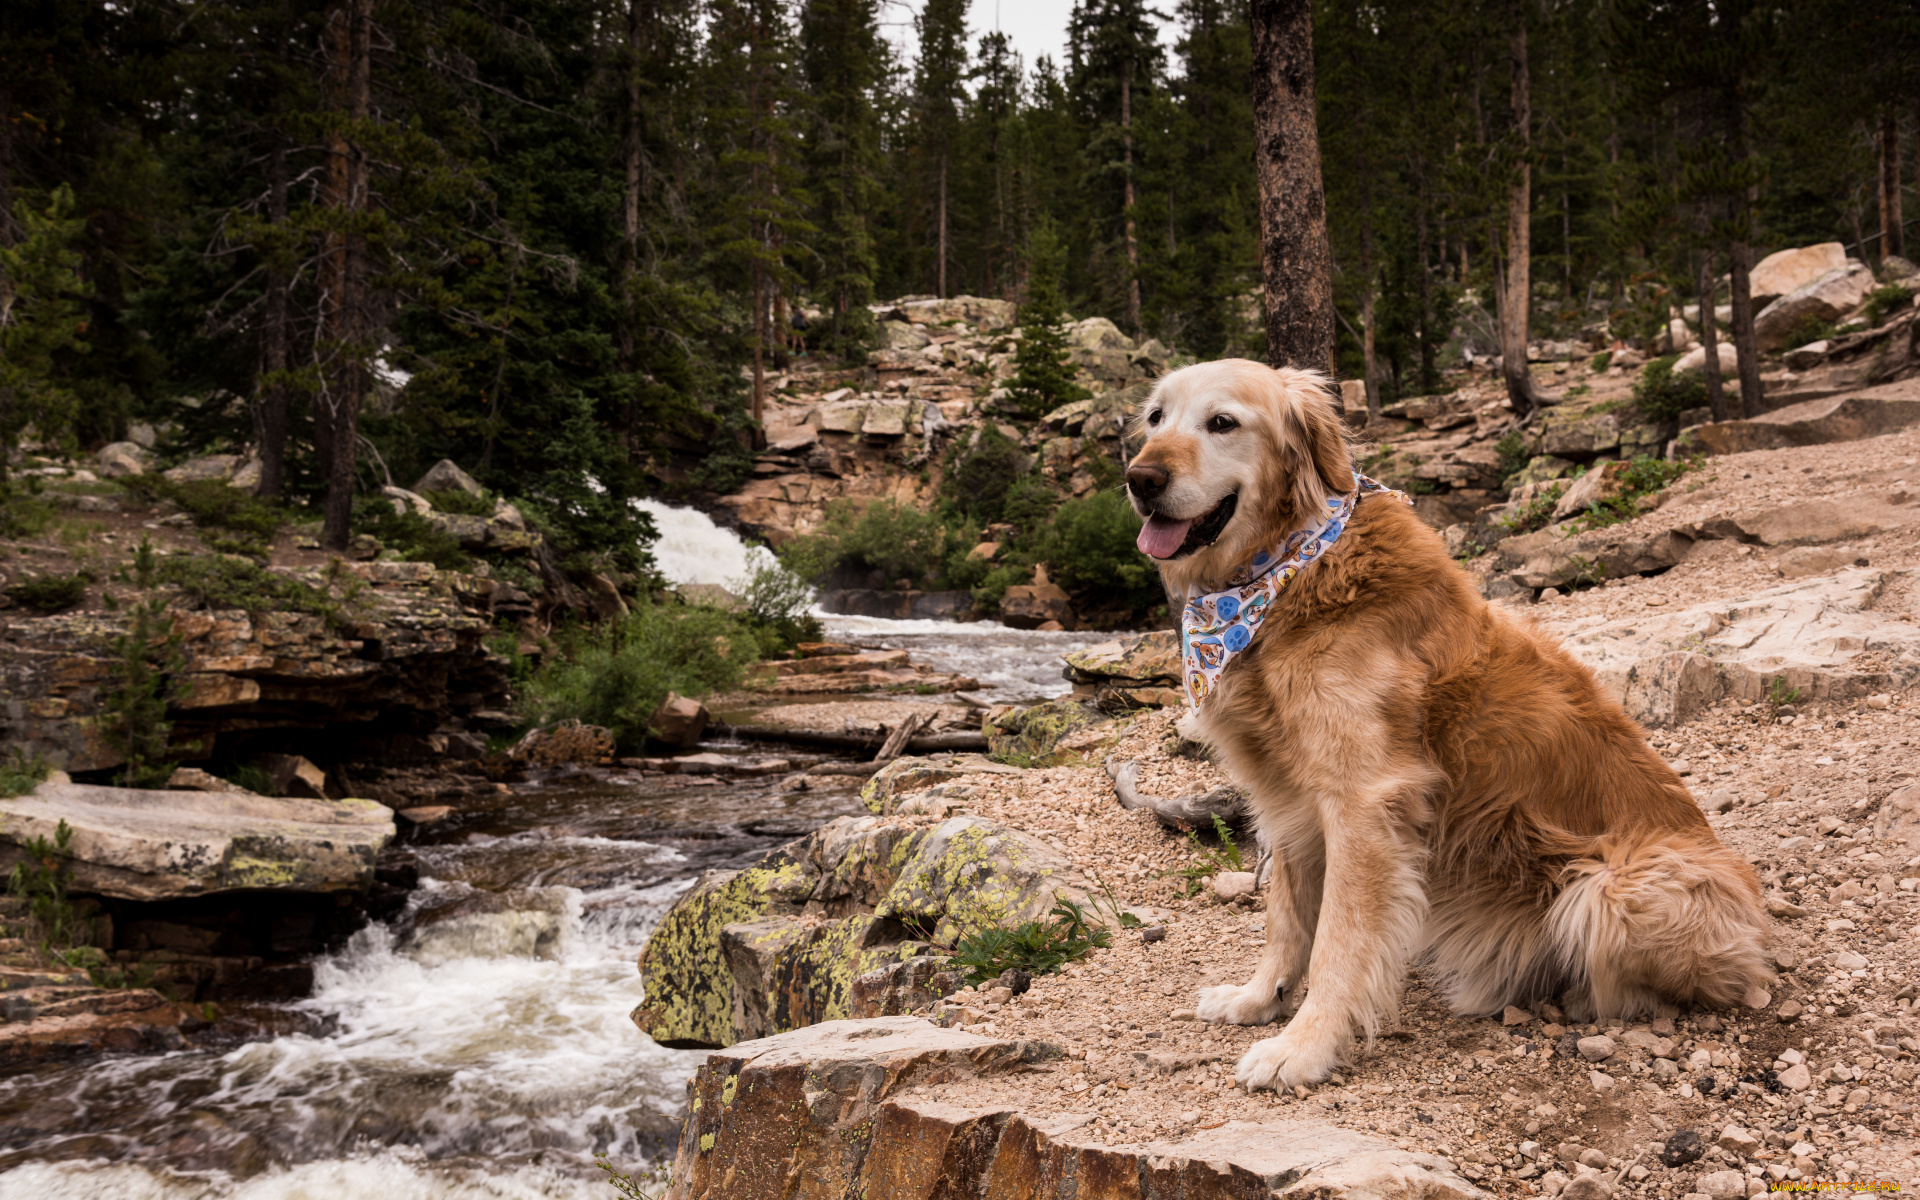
column 1774, row 668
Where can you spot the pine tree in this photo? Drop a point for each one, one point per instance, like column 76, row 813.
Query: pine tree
column 937, row 93
column 844, row 60
column 1116, row 59
column 1043, row 376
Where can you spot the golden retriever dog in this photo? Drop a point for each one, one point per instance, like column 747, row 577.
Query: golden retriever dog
column 1433, row 777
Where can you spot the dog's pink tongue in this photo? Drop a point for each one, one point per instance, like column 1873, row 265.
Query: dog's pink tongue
column 1161, row 537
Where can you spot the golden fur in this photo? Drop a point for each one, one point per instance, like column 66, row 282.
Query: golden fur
column 1432, row 776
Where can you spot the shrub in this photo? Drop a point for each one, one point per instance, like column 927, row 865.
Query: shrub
column 416, row 538
column 1883, row 300
column 1089, row 548
column 1810, row 328
column 897, row 541
column 616, row 674
column 1043, row 377
column 1642, row 477
column 220, row 581
column 1662, row 395
column 1030, row 502
column 776, row 602
column 21, row 772
column 981, row 472
column 249, row 522
column 50, row 593
column 1600, row 361
column 1514, row 453
column 457, row 500
column 1535, row 513
column 1037, row 947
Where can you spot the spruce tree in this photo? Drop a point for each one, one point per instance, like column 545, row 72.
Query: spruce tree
column 844, row 60
column 1043, row 376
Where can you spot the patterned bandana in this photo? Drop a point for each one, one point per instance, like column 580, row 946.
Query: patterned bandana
column 1218, row 625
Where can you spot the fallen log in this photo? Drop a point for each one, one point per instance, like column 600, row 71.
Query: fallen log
column 1182, row 812
column 918, row 744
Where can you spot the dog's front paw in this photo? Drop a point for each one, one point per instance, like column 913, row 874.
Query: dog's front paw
column 1229, row 1005
column 1298, row 1056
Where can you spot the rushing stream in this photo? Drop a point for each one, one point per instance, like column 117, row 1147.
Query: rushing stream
column 489, row 1056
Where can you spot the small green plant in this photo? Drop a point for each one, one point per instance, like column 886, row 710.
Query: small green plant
column 1587, row 572
column 1209, row 861
column 1515, row 453
column 1536, row 513
column 1662, row 395
column 1600, row 361
column 415, row 537
column 892, row 540
column 458, row 500
column 230, row 520
column 149, row 658
column 22, row 772
column 50, row 593
column 1779, row 695
column 1810, row 328
column 1039, row 947
column 39, row 880
column 650, row 1186
column 1642, row 477
column 223, row 581
column 1883, row 300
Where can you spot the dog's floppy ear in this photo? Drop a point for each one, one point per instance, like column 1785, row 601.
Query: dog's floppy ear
column 1316, row 447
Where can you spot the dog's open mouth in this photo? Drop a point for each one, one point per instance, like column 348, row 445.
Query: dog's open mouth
column 1164, row 538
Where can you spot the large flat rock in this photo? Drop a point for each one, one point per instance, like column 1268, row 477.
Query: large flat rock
column 1848, row 418
column 1821, row 635
column 825, row 1112
column 151, row 845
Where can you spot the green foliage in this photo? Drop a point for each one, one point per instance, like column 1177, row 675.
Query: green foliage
column 42, row 322
column 217, row 581
column 1883, row 300
column 253, row 777
column 1779, row 694
column 1210, row 861
column 214, row 505
column 1600, row 361
column 415, row 537
column 40, row 881
column 894, row 540
column 1043, row 377
column 21, row 772
column 23, row 513
column 1662, row 395
column 1642, row 477
column 147, row 658
column 50, row 593
column 650, row 1186
column 1038, row 947
column 1090, row 551
column 776, row 602
column 458, row 500
column 1807, row 330
column 1536, row 513
column 1515, row 453
column 615, row 674
column 981, row 472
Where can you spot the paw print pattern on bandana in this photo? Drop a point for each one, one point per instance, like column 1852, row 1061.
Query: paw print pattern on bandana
column 1218, row 625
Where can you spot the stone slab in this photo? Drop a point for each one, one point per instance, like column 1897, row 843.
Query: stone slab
column 155, row 845
column 1846, row 418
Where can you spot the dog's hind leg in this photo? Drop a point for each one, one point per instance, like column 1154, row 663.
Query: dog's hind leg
column 1293, row 909
column 1372, row 909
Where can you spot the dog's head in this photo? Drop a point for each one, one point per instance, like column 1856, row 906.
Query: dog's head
column 1238, row 455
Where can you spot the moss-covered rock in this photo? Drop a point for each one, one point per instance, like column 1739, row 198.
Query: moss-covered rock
column 904, row 775
column 1142, row 671
column 748, row 954
column 1034, row 737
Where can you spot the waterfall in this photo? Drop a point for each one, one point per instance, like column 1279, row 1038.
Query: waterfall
column 692, row 549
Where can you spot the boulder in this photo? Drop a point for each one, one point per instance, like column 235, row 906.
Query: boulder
column 293, row 775
column 1828, row 298
column 745, row 954
column 1032, row 736
column 1027, row 606
column 1899, row 817
column 900, row 335
column 1823, row 636
column 1696, row 359
column 462, row 922
column 121, row 459
column 405, row 502
column 1142, row 671
column 446, row 476
column 885, row 419
column 1579, row 436
column 1847, row 418
column 906, row 775
column 1786, row 271
column 1807, row 357
column 678, row 721
column 830, row 1111
column 845, row 417
column 137, row 844
column 1353, row 396
column 978, row 311
column 1604, row 482
column 1541, row 468
column 1549, row 558
column 56, row 1023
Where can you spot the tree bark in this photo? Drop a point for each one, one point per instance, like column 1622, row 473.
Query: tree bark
column 1710, row 338
column 1892, row 238
column 1739, row 251
column 1126, row 199
column 1428, row 383
column 270, row 407
column 1519, row 288
column 1369, row 365
column 940, row 272
column 1295, row 258
column 344, row 268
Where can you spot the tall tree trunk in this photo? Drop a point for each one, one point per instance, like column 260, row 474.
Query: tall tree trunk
column 1892, row 239
column 1710, row 338
column 270, row 406
column 639, row 24
column 1423, row 279
column 1126, row 200
column 940, row 288
column 6, row 165
column 1370, row 367
column 344, row 268
column 1295, row 258
column 1519, row 289
column 1739, row 250
column 759, row 342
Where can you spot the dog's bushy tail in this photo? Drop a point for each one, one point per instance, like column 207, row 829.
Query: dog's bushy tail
column 1665, row 918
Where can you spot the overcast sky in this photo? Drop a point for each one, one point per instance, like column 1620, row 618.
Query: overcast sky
column 1035, row 27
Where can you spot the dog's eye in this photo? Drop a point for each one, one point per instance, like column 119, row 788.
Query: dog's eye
column 1222, row 424
column 1153, row 418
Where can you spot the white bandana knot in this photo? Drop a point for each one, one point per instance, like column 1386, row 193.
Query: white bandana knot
column 1218, row 625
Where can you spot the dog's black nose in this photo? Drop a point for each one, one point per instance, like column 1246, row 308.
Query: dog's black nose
column 1146, row 480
